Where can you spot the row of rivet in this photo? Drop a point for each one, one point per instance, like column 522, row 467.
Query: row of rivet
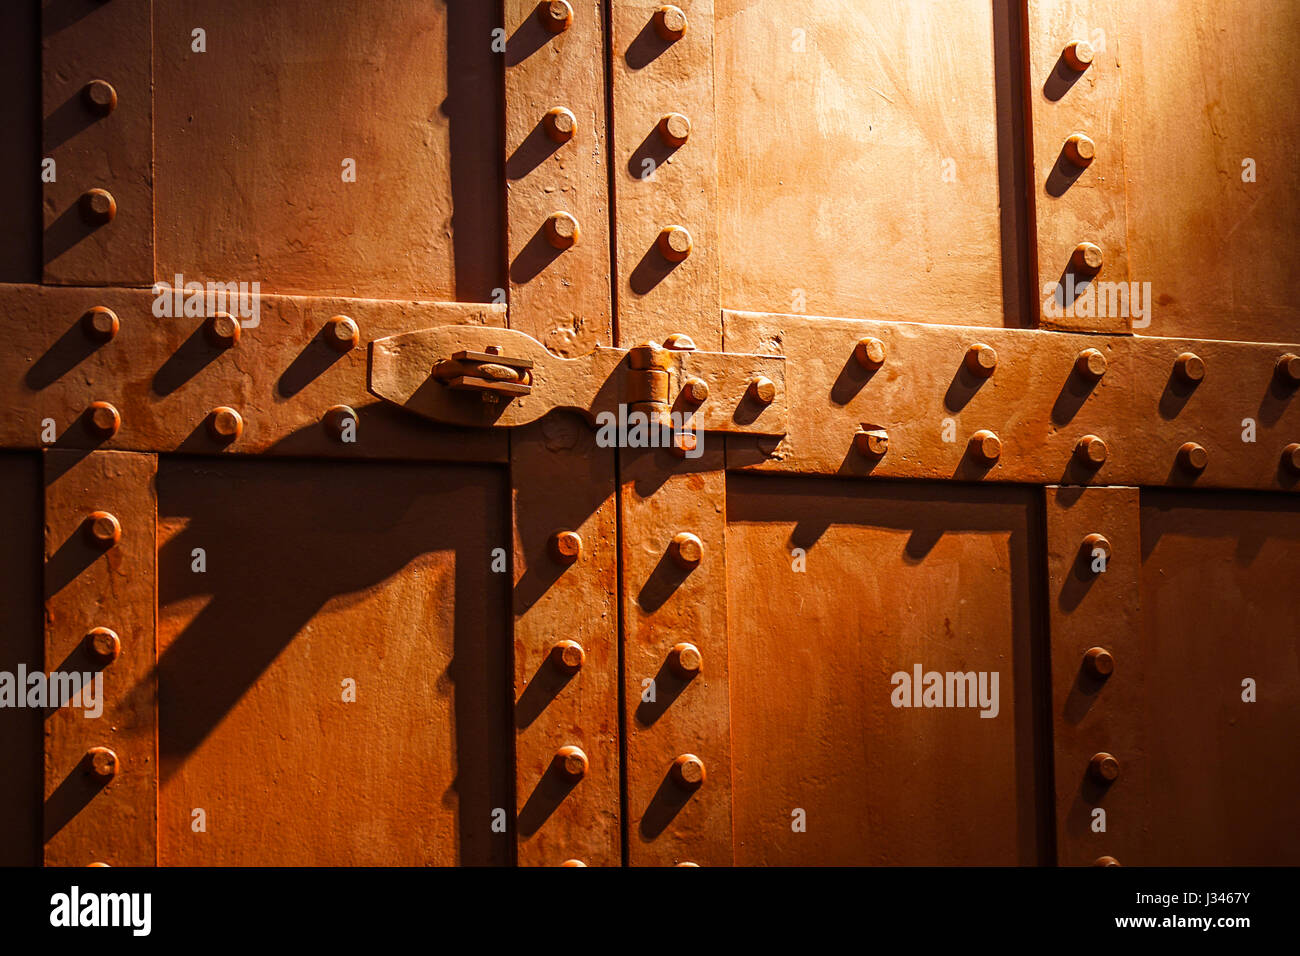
column 1080, row 150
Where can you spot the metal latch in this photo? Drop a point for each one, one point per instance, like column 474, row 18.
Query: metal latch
column 433, row 372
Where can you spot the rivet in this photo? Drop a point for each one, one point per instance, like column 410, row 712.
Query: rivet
column 104, row 529
column 688, row 771
column 1103, row 767
column 572, row 762
column 687, row 863
column 1079, row 55
column 1080, row 150
column 1086, row 258
column 674, row 129
column 223, row 330
column 1291, row 457
column 1288, row 368
column 870, row 353
column 687, row 550
column 103, row 762
column 1106, row 861
column 100, row 323
column 100, row 97
column 670, row 22
column 1192, row 457
column 103, row 643
column 336, row 418
column 225, row 424
column 568, row 656
column 556, row 15
column 561, row 230
column 1099, row 662
column 98, row 206
column 105, row 419
column 1091, row 364
column 573, row 863
column 1091, row 451
column 872, row 442
column 695, row 391
column 683, row 443
column 566, row 546
column 1190, row 367
column 96, row 864
column 679, row 342
column 674, row 243
column 1092, row 543
column 685, row 660
column 986, row 446
column 981, row 359
column 560, row 124
column 341, row 331
column 762, row 390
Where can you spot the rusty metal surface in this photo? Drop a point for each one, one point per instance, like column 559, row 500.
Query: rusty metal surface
column 1076, row 202
column 1037, row 403
column 565, row 597
column 660, row 68
column 1094, row 712
column 834, row 125
column 675, row 590
column 559, row 296
column 90, row 584
column 21, row 644
column 834, row 587
column 395, row 593
column 166, row 375
column 82, row 41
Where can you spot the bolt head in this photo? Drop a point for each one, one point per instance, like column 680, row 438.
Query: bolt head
column 674, row 243
column 1090, row 364
column 688, row 771
column 560, row 124
column 870, row 353
column 679, row 342
column 566, row 546
column 98, row 206
column 1078, row 55
column 872, row 442
column 695, row 391
column 103, row 762
column 1104, row 767
column 573, row 863
column 986, row 446
column 685, row 660
column 225, row 424
column 556, row 15
column 1096, row 542
column 104, row 419
column 1288, row 369
column 100, row 97
column 1106, row 861
column 1091, row 451
column 981, row 359
column 103, row 643
column 1086, row 258
column 762, row 390
column 100, row 323
column 224, row 330
column 104, row 529
column 687, row 550
column 1192, row 457
column 342, row 333
column 567, row 656
column 1190, row 367
column 1099, row 662
column 1291, row 457
column 670, row 23
column 674, row 129
column 561, row 230
column 684, row 443
column 571, row 762
column 1080, row 150
column 336, row 418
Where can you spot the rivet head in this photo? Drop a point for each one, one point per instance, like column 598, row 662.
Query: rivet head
column 224, row 330
column 1103, row 767
column 98, row 206
column 567, row 656
column 981, row 359
column 685, row 660
column 1091, row 451
column 99, row 97
column 103, row 644
column 872, row 442
column 105, row 420
column 684, row 443
column 566, row 546
column 225, row 424
column 679, row 342
column 986, row 446
column 870, row 353
column 1192, row 457
column 670, row 22
column 1099, row 662
column 560, row 124
column 688, row 771
column 687, row 550
column 104, row 529
column 573, row 863
column 1080, row 150
column 1094, row 543
column 1106, row 861
column 572, row 762
column 103, row 762
column 100, row 323
column 1086, row 258
column 1090, row 364
column 1288, row 369
column 1291, row 457
column 556, row 15
column 341, row 332
column 674, row 129
column 674, row 243
column 561, row 230
column 762, row 390
column 336, row 419
column 1078, row 55
column 1189, row 367
column 695, row 391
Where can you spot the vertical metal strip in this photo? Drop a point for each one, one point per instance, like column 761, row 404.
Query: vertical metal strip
column 101, row 779
column 1098, row 665
column 1077, row 160
column 97, row 104
column 557, row 205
